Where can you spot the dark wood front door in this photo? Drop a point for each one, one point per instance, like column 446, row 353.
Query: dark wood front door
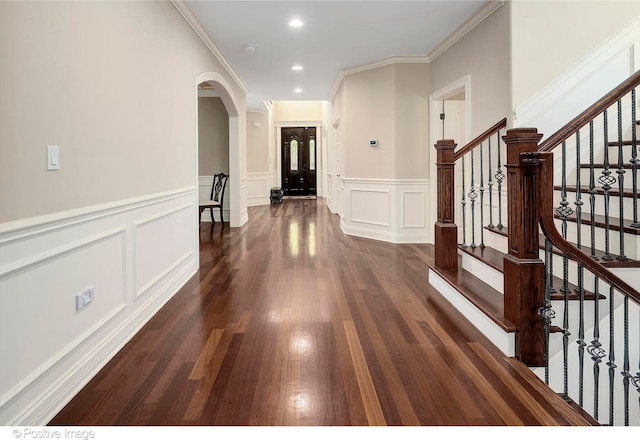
column 299, row 161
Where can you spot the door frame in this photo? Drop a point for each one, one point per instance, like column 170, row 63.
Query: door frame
column 435, row 108
column 320, row 168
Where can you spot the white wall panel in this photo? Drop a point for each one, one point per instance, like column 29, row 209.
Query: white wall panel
column 414, row 209
column 384, row 209
column 159, row 257
column 135, row 254
column 369, row 206
column 259, row 188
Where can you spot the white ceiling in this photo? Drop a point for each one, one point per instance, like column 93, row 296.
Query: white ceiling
column 337, row 36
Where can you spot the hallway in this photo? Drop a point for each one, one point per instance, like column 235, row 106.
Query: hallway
column 290, row 323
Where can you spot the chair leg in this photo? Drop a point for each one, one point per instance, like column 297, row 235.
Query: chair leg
column 221, row 217
column 213, row 220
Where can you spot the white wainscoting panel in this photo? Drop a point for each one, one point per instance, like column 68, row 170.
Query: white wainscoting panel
column 330, row 193
column 135, row 254
column 369, row 206
column 259, row 188
column 383, row 209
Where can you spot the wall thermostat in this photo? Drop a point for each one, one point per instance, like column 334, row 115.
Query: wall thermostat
column 373, row 143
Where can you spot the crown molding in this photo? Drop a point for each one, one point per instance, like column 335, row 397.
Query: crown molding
column 405, row 59
column 195, row 24
column 466, row 27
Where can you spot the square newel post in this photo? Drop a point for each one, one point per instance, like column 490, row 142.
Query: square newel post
column 446, row 231
column 523, row 269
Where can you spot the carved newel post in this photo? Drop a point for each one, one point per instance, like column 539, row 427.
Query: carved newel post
column 523, row 269
column 446, row 231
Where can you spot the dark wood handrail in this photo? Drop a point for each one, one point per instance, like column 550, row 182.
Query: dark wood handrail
column 546, row 217
column 591, row 113
column 481, row 138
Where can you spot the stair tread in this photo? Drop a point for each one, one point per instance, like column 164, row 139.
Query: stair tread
column 598, row 253
column 599, row 191
column 483, row 296
column 495, row 259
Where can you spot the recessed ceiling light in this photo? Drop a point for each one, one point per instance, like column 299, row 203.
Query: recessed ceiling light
column 250, row 48
column 296, row 23
column 298, row 90
column 296, row 67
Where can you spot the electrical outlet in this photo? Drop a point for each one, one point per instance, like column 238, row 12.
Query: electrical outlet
column 83, row 299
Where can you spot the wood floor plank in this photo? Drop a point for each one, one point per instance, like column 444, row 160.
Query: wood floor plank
column 289, row 322
column 375, row 416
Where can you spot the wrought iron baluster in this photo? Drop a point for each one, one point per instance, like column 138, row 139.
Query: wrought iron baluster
column 481, row 198
column 626, row 376
column 578, row 201
column 472, row 196
column 490, row 188
column 606, row 180
column 595, row 349
column 620, row 171
column 592, row 193
column 563, row 212
column 635, row 380
column 612, row 358
column 464, row 208
column 499, row 179
column 546, row 312
column 580, row 341
column 634, row 160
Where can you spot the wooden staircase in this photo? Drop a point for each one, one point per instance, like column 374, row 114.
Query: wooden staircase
column 476, row 280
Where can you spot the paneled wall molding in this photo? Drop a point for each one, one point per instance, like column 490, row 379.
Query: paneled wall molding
column 392, row 210
column 135, row 254
column 259, row 188
column 16, row 230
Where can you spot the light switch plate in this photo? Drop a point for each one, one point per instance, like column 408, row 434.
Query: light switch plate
column 53, row 157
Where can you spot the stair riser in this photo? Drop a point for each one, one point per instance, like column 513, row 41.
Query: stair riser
column 487, row 274
column 505, row 341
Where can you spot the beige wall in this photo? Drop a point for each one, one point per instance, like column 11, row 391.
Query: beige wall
column 289, row 111
column 412, row 120
column 369, row 103
column 110, row 83
column 257, row 142
column 213, row 137
column 551, row 36
column 389, row 104
column 483, row 54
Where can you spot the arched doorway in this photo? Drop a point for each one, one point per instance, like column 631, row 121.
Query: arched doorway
column 237, row 172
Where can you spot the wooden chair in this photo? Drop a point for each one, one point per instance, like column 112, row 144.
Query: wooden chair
column 216, row 199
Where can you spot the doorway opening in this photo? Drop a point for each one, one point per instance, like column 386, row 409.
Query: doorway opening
column 235, row 148
column 450, row 111
column 213, row 148
column 299, row 152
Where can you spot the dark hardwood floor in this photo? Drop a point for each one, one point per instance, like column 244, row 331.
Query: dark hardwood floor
column 290, row 322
